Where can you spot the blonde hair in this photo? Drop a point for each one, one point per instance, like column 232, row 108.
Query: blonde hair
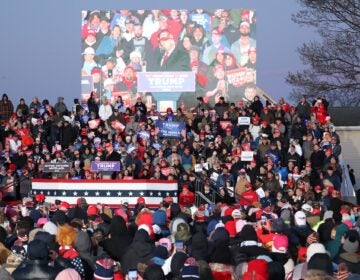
column 314, row 274
column 66, row 235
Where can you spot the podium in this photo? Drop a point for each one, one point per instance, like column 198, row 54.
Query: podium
column 166, row 87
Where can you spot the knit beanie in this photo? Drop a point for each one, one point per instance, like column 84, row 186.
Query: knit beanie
column 313, row 249
column 159, row 217
column 200, row 214
column 321, row 261
column 104, row 269
column 38, row 250
column 190, row 272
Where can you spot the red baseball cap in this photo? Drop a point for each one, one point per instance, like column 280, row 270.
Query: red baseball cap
column 95, row 70
column 281, row 243
column 91, row 32
column 185, row 187
column 92, row 210
column 40, row 198
column 216, row 32
column 141, row 200
column 64, row 204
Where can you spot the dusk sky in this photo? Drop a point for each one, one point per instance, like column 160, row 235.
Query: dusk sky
column 40, row 43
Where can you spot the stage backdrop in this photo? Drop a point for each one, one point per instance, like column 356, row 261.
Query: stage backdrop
column 112, row 192
column 218, row 46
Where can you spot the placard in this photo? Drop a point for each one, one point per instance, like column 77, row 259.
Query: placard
column 260, row 192
column 166, row 81
column 105, row 166
column 240, row 76
column 144, row 134
column 199, row 167
column 170, row 129
column 60, row 167
column 214, row 176
column 247, row 155
column 93, row 124
column 225, row 124
column 166, row 171
column 117, row 125
column 244, row 120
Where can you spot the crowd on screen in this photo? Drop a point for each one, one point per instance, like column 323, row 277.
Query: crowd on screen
column 277, row 216
column 118, row 44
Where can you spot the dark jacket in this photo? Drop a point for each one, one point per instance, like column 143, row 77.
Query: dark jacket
column 140, row 251
column 178, row 60
column 303, row 110
column 34, row 269
column 120, row 240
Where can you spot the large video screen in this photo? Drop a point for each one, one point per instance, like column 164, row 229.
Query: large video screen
column 218, row 46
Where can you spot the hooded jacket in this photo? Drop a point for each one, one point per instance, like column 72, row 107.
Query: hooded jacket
column 140, row 251
column 119, row 241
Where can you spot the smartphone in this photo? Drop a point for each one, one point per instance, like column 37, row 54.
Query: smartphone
column 179, row 245
column 6, row 224
column 263, row 221
column 132, row 274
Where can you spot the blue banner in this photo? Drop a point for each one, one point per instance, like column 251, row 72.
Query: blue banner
column 105, row 166
column 166, row 81
column 144, row 134
column 170, row 129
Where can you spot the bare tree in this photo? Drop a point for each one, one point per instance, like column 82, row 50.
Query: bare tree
column 334, row 61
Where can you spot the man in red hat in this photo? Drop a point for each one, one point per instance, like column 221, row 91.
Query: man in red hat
column 140, row 106
column 140, row 204
column 64, row 206
column 248, row 197
column 228, row 139
column 267, row 115
column 173, row 58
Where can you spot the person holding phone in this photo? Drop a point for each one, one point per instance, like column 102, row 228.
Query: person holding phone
column 179, row 246
column 133, row 275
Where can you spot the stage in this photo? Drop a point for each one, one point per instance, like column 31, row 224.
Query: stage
column 109, row 192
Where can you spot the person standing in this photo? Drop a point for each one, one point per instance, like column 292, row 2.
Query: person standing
column 105, row 110
column 303, row 109
column 173, row 58
column 241, row 47
column 6, row 108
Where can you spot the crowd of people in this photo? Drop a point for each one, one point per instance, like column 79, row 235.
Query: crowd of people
column 218, row 45
column 277, row 216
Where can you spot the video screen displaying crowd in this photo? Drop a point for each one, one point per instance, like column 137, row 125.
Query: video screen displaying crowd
column 218, row 45
column 277, row 216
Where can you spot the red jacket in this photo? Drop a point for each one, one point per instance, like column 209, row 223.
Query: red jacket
column 186, row 199
column 248, row 198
